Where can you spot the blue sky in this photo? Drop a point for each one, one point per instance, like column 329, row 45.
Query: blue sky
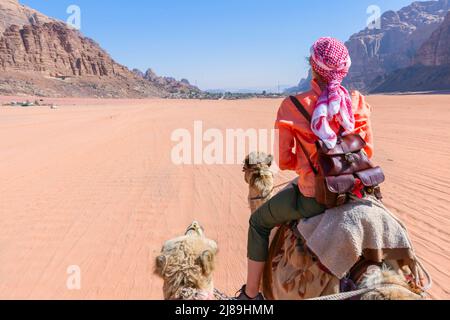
column 217, row 43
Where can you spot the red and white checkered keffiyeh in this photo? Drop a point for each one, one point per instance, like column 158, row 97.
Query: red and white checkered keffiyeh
column 331, row 60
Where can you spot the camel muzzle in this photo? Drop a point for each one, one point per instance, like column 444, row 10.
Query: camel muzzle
column 195, row 229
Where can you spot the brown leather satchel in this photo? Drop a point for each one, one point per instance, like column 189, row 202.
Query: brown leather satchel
column 340, row 167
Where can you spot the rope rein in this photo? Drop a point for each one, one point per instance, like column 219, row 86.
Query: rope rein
column 282, row 185
column 264, row 197
column 220, row 296
column 360, row 292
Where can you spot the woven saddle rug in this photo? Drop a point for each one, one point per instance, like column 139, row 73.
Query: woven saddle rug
column 293, row 272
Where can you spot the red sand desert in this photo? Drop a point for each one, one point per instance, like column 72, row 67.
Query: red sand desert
column 92, row 184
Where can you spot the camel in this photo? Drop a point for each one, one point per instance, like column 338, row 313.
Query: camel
column 259, row 178
column 186, row 265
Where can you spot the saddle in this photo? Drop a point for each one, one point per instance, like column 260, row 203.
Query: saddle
column 342, row 169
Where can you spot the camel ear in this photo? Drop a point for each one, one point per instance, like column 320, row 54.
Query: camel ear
column 269, row 160
column 207, row 262
column 161, row 263
column 247, row 162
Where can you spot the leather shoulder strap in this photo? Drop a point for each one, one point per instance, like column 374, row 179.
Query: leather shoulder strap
column 308, row 117
column 301, row 108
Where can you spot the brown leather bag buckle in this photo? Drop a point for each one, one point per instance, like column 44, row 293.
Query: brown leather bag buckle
column 350, row 157
column 341, row 199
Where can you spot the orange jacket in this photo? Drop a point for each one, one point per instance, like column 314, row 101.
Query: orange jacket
column 293, row 127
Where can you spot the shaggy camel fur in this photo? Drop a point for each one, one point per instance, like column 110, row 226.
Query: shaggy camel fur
column 186, row 264
column 259, row 178
column 379, row 277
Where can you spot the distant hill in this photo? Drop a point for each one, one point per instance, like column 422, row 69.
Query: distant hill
column 42, row 56
column 178, row 89
column 302, row 86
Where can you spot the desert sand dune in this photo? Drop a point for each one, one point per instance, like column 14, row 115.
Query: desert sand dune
column 92, row 184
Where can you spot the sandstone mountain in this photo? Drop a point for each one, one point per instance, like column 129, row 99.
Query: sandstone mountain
column 418, row 78
column 11, row 12
column 45, row 57
column 430, row 70
column 378, row 52
column 436, row 50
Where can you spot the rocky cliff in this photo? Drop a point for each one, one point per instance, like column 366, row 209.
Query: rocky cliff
column 55, row 50
column 42, row 56
column 436, row 50
column 431, row 67
column 11, row 12
column 378, row 52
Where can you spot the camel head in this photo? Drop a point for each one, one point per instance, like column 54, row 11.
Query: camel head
column 186, row 265
column 259, row 178
column 257, row 165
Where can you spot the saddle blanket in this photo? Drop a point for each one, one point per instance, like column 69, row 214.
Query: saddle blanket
column 361, row 228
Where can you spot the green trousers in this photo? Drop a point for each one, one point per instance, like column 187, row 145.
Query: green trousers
column 288, row 205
